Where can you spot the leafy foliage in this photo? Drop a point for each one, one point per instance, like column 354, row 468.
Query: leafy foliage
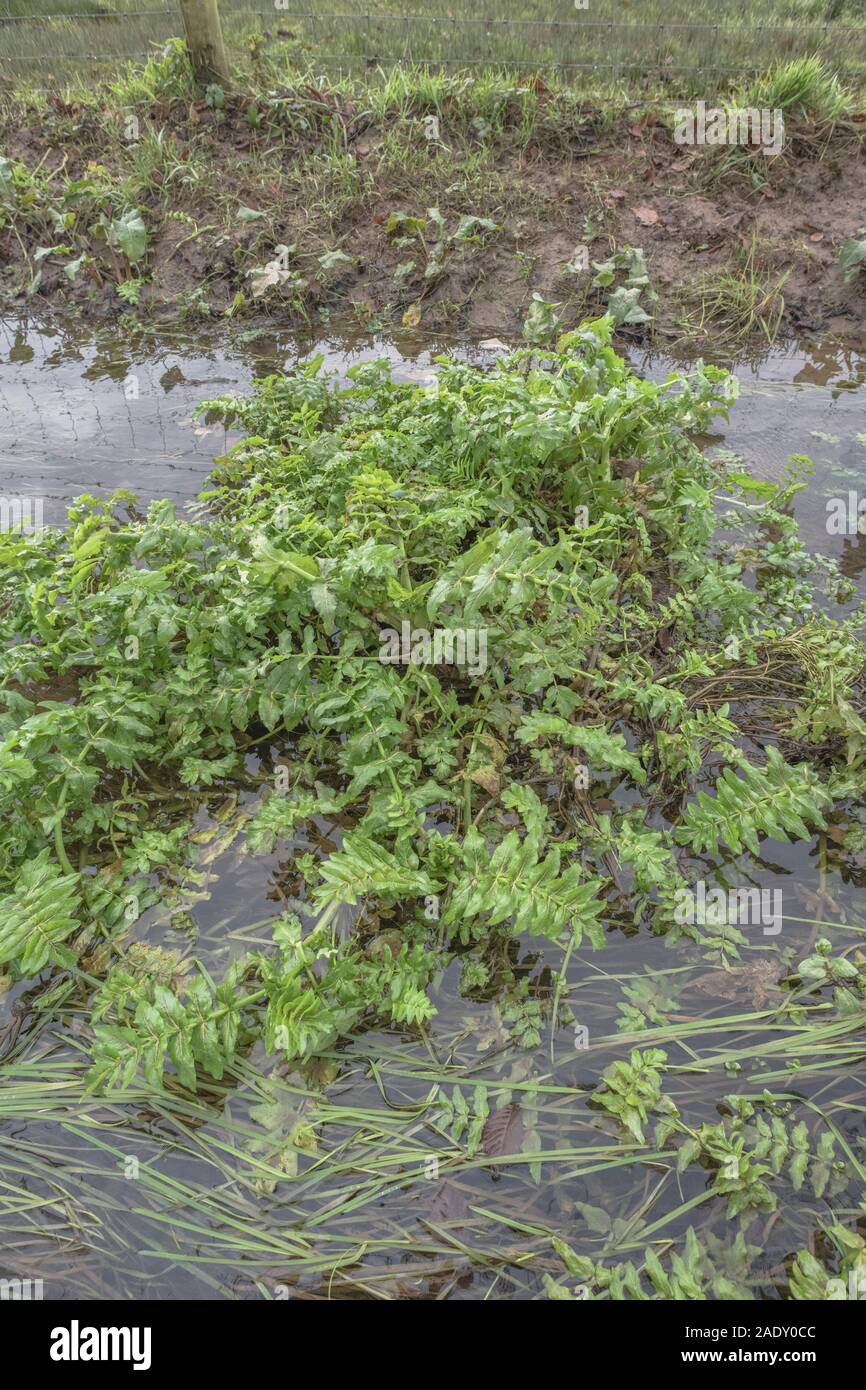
column 623, row 303
column 515, row 883
column 749, row 1149
column 175, row 690
column 633, row 1089
column 703, row 1269
column 38, row 916
column 778, row 801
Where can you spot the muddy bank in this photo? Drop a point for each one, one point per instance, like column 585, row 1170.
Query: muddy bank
column 309, row 206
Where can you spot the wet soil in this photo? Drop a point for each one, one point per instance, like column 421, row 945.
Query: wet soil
column 696, row 212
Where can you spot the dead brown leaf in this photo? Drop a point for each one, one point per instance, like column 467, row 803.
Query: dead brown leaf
column 536, row 85
column 486, row 777
column 753, row 981
column 504, row 1132
column 449, row 1204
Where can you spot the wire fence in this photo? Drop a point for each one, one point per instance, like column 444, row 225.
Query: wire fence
column 584, row 41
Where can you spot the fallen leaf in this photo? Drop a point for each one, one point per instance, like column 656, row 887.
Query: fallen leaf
column 498, row 749
column 537, row 86
column 646, row 216
column 486, row 777
column 503, row 1133
column 754, row 981
column 265, row 277
column 448, row 1204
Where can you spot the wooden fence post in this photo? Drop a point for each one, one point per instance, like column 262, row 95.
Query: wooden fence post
column 204, row 39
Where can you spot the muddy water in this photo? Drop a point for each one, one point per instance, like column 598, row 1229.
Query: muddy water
column 102, row 411
column 98, row 411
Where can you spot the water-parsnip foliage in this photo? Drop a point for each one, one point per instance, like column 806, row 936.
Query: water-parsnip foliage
column 661, row 691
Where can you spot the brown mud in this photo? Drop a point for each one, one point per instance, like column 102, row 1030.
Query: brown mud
column 698, row 214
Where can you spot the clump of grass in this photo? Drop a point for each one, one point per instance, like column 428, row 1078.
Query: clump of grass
column 802, row 87
column 740, row 304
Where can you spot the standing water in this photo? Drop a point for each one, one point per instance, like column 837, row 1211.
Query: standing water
column 338, row 1178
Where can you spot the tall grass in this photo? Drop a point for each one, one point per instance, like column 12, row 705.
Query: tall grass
column 692, row 52
column 803, row 87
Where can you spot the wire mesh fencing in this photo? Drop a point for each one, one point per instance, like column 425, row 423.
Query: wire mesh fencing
column 589, row 41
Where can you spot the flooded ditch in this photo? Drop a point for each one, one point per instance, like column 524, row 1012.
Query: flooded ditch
column 341, row 1178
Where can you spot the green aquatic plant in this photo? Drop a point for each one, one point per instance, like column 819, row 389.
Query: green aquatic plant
column 697, row 1272
column 409, row 606
column 777, row 801
column 632, row 1090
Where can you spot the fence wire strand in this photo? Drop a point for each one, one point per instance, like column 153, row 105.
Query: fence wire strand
column 99, row 14
column 368, row 29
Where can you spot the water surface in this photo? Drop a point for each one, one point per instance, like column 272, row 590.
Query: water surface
column 144, row 1199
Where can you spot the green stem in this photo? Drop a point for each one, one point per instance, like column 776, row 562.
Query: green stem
column 59, row 847
column 557, row 995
